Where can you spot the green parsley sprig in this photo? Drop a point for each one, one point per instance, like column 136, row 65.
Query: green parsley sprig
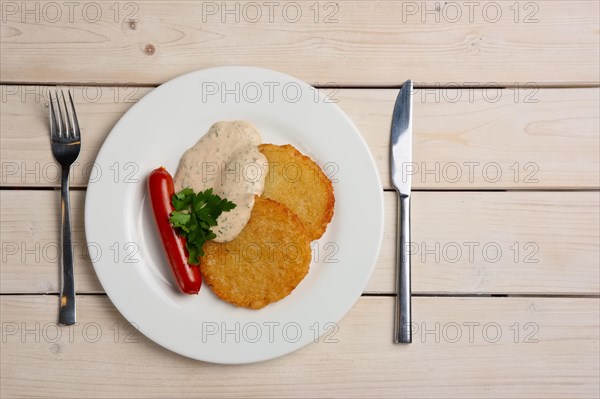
column 193, row 217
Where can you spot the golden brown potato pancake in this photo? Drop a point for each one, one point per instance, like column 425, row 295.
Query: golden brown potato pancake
column 264, row 263
column 297, row 182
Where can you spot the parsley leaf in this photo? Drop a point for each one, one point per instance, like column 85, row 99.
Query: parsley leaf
column 183, row 199
column 179, row 219
column 193, row 217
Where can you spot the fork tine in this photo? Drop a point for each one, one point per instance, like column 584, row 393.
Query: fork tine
column 60, row 120
column 53, row 126
column 60, row 117
column 74, row 119
column 67, row 122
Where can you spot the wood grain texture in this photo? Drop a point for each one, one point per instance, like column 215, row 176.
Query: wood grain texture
column 538, row 138
column 549, row 42
column 500, row 242
column 463, row 243
column 555, row 355
column 464, row 138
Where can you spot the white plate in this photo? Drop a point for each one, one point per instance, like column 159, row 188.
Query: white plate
column 126, row 250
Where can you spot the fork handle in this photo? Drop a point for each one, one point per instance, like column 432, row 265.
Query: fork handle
column 402, row 326
column 67, row 286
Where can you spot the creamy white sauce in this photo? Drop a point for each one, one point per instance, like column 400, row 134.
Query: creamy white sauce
column 226, row 159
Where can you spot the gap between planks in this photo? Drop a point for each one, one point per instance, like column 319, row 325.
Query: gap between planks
column 370, row 295
column 385, row 190
column 526, row 85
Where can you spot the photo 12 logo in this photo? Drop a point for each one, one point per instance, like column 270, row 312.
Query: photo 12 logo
column 90, row 332
column 81, row 173
column 267, row 91
column 471, row 92
column 253, row 12
column 470, row 172
column 452, row 12
column 290, row 252
column 474, row 252
column 289, row 332
column 475, row 332
column 43, row 252
column 91, row 93
column 52, row 12
column 254, row 171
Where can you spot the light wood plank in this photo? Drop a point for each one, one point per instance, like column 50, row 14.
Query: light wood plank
column 26, row 154
column 476, row 142
column 551, row 42
column 555, row 355
column 31, row 243
column 549, row 243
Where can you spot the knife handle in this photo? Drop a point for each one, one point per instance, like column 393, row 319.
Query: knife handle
column 402, row 325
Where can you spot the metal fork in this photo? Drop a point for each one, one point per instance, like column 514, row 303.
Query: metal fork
column 66, row 143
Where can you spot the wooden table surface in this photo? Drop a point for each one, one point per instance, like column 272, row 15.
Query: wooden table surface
column 506, row 220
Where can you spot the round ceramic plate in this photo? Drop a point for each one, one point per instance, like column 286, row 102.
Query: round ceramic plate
column 126, row 249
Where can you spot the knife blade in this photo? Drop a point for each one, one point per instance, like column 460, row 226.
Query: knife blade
column 401, row 169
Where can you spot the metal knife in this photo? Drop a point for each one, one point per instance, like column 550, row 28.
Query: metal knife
column 401, row 168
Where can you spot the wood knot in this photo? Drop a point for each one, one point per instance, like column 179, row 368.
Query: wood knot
column 55, row 349
column 150, row 49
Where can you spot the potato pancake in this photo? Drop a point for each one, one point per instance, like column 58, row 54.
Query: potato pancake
column 297, row 182
column 264, row 263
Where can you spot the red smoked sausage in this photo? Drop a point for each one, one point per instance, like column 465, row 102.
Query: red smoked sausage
column 161, row 190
